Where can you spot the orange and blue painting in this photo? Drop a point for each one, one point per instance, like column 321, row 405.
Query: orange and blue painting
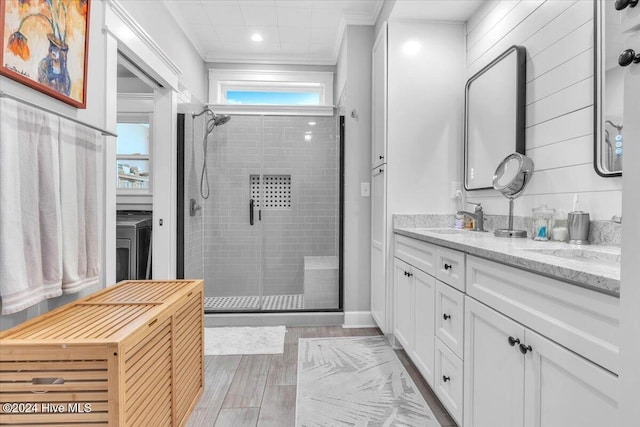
column 45, row 46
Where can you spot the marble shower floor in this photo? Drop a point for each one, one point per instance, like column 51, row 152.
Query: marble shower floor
column 270, row 302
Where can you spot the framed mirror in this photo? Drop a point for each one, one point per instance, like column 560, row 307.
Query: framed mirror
column 494, row 117
column 608, row 127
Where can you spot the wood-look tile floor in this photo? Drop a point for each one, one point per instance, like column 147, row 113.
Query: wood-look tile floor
column 260, row 390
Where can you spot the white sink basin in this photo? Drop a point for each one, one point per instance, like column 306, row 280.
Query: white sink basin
column 581, row 254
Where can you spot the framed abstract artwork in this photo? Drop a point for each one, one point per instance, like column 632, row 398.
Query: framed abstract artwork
column 45, row 45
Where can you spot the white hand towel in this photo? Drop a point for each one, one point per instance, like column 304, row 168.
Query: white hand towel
column 30, row 223
column 80, row 152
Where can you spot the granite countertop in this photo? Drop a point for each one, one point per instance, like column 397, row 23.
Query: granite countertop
column 596, row 267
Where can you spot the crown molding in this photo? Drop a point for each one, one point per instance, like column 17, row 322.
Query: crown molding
column 177, row 16
column 117, row 8
column 291, row 60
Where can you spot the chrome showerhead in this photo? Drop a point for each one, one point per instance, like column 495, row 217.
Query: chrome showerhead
column 220, row 119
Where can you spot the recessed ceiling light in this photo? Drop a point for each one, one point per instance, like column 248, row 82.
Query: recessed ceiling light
column 256, row 37
column 312, row 123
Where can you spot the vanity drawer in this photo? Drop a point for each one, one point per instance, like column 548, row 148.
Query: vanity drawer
column 449, row 380
column 580, row 319
column 450, row 267
column 419, row 254
column 450, row 317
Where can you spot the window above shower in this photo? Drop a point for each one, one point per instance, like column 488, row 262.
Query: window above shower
column 271, row 92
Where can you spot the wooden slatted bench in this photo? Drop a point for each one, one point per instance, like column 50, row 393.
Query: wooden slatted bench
column 129, row 355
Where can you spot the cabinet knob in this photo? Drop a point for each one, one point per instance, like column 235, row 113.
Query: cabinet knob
column 445, row 378
column 409, row 274
column 406, row 273
column 513, row 341
column 381, row 157
column 628, row 57
column 622, row 4
column 446, row 316
column 525, row 348
column 448, row 266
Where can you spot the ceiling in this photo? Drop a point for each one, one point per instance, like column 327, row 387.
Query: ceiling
column 436, row 10
column 293, row 31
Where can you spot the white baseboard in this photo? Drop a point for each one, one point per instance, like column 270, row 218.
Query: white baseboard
column 358, row 319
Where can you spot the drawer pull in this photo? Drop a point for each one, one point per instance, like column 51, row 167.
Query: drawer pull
column 448, row 266
column 525, row 348
column 513, row 341
column 152, row 322
column 445, row 378
column 446, row 316
column 189, row 294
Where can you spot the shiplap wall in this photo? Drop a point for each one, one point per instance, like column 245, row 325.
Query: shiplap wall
column 558, row 36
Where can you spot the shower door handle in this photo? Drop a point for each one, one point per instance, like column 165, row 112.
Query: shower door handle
column 250, row 211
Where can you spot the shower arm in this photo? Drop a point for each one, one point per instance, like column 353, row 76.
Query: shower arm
column 206, row 110
column 618, row 127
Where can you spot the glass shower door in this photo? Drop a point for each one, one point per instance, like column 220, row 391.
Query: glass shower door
column 232, row 242
column 300, row 213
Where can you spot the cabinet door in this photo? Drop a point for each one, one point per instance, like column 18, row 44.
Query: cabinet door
column 378, row 288
column 403, row 304
column 378, row 252
column 449, row 317
column 564, row 389
column 379, row 99
column 423, row 354
column 493, row 369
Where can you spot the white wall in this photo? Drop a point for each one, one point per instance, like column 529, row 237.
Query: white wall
column 158, row 22
column 558, row 36
column 355, row 70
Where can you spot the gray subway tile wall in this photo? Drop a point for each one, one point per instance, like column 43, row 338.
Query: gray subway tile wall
column 233, row 251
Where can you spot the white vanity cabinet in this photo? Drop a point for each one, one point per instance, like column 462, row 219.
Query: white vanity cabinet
column 414, row 304
column 505, row 347
column 514, row 376
column 428, row 315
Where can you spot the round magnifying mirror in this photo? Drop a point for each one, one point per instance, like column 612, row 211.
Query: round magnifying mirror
column 511, row 177
column 513, row 174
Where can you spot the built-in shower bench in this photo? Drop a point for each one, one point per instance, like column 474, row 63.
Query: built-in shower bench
column 321, row 282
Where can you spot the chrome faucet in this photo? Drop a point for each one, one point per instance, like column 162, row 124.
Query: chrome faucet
column 477, row 215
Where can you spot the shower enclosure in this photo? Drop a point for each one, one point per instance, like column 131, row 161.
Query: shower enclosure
column 267, row 237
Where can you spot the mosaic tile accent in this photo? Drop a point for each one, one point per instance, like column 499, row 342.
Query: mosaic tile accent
column 271, row 302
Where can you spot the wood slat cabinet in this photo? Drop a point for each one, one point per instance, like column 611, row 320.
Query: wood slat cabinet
column 129, row 355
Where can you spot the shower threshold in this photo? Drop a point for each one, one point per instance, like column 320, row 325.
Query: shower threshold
column 252, row 303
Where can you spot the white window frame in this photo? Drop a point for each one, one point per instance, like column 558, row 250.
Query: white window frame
column 223, row 80
column 137, row 195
